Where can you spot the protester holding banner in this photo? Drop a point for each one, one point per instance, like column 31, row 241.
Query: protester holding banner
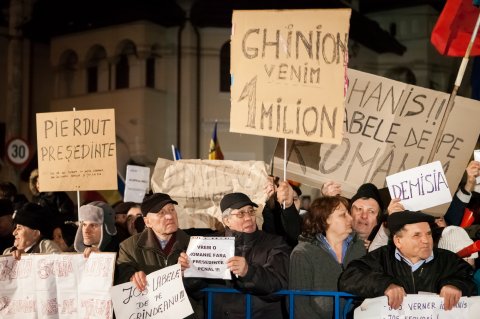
column 326, row 246
column 259, row 267
column 32, row 231
column 410, row 264
column 97, row 230
column 158, row 246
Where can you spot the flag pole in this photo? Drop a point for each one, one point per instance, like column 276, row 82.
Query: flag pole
column 451, row 99
column 173, row 153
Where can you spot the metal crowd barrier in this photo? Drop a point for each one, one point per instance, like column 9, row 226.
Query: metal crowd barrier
column 291, row 295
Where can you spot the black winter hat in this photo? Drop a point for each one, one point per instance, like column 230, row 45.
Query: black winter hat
column 123, row 208
column 235, row 201
column 35, row 217
column 396, row 221
column 155, row 202
column 368, row 190
column 6, row 207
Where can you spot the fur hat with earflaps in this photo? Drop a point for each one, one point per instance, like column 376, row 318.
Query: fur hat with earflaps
column 100, row 213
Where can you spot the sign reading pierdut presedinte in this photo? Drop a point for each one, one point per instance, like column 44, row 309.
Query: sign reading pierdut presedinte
column 77, row 150
column 288, row 73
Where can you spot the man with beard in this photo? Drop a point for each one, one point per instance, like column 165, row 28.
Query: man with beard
column 408, row 265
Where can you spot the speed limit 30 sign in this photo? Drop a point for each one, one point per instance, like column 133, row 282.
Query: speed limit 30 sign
column 18, row 151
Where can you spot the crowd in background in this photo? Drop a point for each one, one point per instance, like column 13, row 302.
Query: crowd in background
column 362, row 245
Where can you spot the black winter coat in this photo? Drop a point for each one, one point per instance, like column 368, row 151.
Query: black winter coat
column 369, row 276
column 268, row 259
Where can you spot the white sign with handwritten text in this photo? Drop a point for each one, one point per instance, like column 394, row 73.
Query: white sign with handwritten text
column 425, row 306
column 136, row 183
column 199, row 185
column 208, row 257
column 164, row 297
column 54, row 286
column 420, row 187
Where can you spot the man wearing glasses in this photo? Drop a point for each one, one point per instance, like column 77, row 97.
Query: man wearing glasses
column 157, row 247
column 259, row 267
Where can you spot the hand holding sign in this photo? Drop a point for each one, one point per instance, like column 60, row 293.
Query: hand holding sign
column 420, row 187
column 165, row 297
column 207, row 257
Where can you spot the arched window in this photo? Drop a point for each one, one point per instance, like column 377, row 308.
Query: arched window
column 150, row 72
column 122, row 68
column 95, row 56
column 66, row 74
column 225, row 67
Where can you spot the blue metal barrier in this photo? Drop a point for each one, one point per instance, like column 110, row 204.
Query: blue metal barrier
column 289, row 293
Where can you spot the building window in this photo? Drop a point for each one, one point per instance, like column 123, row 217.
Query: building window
column 96, row 62
column 225, row 68
column 150, row 73
column 66, row 74
column 92, row 79
column 122, row 73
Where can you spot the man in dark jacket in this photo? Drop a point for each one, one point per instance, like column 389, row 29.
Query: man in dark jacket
column 157, row 247
column 409, row 266
column 259, row 267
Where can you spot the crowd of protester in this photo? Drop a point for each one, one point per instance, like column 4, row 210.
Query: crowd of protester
column 359, row 245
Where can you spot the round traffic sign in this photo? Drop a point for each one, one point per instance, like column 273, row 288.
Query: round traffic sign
column 18, row 151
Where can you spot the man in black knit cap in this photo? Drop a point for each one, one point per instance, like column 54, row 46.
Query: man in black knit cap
column 366, row 210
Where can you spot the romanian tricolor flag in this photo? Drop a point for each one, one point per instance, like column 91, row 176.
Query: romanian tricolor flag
column 215, row 153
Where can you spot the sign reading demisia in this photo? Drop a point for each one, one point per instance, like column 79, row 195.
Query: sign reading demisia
column 288, row 73
column 77, row 150
column 67, row 286
column 389, row 127
column 164, row 297
column 420, row 187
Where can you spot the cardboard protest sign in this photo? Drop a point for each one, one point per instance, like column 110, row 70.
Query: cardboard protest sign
column 288, row 73
column 420, row 187
column 418, row 306
column 389, row 127
column 164, row 297
column 56, row 286
column 77, row 150
column 199, row 185
column 208, row 257
column 136, row 183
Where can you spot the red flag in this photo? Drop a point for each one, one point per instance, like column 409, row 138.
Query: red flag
column 454, row 28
